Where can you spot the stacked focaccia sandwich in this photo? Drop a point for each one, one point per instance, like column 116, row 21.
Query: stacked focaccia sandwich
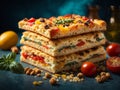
column 62, row 43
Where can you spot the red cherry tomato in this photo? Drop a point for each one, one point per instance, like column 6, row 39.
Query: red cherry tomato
column 113, row 64
column 88, row 68
column 113, row 49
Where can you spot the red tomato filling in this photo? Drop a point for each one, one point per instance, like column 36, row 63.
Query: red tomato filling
column 115, row 61
column 113, row 64
column 45, row 46
column 81, row 43
column 34, row 57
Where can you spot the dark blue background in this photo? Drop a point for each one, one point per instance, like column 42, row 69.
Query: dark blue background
column 11, row 11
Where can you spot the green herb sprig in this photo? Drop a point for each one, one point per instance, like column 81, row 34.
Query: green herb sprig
column 63, row 21
column 8, row 63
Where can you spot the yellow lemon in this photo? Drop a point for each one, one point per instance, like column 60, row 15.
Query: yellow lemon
column 8, row 39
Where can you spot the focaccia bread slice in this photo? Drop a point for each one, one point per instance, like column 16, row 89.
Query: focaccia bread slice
column 62, row 26
column 57, row 64
column 62, row 46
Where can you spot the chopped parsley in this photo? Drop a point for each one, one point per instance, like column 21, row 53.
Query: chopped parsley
column 99, row 39
column 71, row 63
column 64, row 21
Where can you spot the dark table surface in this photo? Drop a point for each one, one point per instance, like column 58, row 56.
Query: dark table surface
column 12, row 81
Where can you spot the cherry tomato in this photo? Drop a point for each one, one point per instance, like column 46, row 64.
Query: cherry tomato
column 113, row 49
column 113, row 64
column 88, row 68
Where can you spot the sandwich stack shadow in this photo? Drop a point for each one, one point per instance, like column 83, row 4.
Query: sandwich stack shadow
column 62, row 43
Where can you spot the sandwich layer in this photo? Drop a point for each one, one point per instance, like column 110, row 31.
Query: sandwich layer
column 62, row 46
column 62, row 26
column 57, row 64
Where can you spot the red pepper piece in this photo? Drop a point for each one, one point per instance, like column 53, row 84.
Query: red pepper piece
column 54, row 31
column 85, row 18
column 30, row 23
column 31, row 20
column 51, row 18
column 35, row 58
column 42, row 61
column 45, row 46
column 81, row 43
column 39, row 58
column 25, row 55
column 68, row 15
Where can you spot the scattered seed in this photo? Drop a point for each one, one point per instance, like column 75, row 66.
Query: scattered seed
column 47, row 75
column 38, row 75
column 102, row 73
column 32, row 72
column 28, row 71
column 25, row 69
column 52, row 81
column 14, row 49
column 44, row 78
column 108, row 75
column 98, row 79
column 80, row 75
column 82, row 79
column 36, row 70
column 36, row 83
column 40, row 82
column 102, row 77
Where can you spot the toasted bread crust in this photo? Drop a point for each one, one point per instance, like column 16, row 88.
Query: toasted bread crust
column 62, row 26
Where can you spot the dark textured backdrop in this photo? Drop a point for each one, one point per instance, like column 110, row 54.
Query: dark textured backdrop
column 11, row 11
